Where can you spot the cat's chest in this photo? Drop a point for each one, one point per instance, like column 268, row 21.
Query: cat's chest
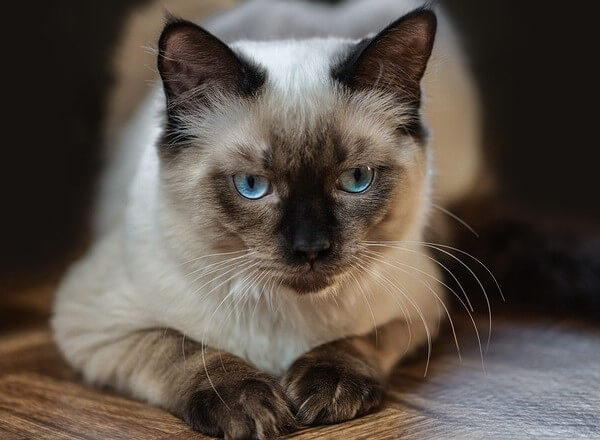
column 272, row 334
column 270, row 331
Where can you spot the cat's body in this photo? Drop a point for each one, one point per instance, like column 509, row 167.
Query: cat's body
column 136, row 312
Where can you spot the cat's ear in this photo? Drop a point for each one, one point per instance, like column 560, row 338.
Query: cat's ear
column 193, row 63
column 395, row 59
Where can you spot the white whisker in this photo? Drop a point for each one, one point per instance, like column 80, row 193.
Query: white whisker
column 439, row 248
column 213, row 255
column 216, row 264
column 368, row 305
column 439, row 263
column 447, row 312
column 417, row 309
column 236, row 268
column 401, row 306
column 439, row 300
column 202, row 344
column 457, row 218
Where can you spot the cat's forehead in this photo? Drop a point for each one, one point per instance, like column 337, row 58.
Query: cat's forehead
column 321, row 128
column 301, row 117
column 292, row 65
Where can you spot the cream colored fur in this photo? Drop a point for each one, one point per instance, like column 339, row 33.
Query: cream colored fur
column 134, row 277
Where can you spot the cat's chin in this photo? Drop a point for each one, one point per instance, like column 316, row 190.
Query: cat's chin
column 309, row 284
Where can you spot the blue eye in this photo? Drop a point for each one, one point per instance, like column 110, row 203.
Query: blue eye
column 250, row 186
column 356, row 180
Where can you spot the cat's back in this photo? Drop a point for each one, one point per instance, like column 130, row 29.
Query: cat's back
column 285, row 19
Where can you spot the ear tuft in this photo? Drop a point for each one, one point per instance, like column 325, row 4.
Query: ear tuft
column 395, row 59
column 192, row 62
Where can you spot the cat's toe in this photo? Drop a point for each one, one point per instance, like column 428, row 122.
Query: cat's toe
column 253, row 408
column 330, row 392
column 265, row 404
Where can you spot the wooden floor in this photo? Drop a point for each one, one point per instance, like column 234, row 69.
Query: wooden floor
column 542, row 380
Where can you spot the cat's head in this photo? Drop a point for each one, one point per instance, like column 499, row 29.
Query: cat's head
column 297, row 150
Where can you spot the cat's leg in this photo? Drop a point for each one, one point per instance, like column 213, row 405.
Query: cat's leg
column 344, row 379
column 215, row 392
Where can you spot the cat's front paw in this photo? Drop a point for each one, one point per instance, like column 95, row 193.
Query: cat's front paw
column 330, row 390
column 248, row 408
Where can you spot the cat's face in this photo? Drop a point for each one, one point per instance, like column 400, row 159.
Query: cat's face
column 301, row 174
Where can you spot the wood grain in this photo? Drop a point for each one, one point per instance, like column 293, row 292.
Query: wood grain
column 541, row 380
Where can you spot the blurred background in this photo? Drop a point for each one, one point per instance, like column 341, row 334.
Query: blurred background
column 534, row 63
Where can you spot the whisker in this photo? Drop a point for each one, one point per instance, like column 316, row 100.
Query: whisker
column 457, row 218
column 202, row 353
column 248, row 296
column 429, row 287
column 234, row 307
column 439, row 248
column 183, row 351
column 214, row 255
column 247, row 283
column 439, row 263
column 271, row 292
column 262, row 275
column 202, row 344
column 445, row 246
column 259, row 298
column 281, row 279
column 218, row 263
column 400, row 304
column 236, row 268
column 368, row 305
column 440, row 301
column 224, row 267
column 417, row 309
column 443, row 304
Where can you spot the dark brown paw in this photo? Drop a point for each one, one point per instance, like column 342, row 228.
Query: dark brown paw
column 329, row 390
column 249, row 408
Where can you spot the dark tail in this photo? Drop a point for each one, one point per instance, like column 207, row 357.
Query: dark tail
column 542, row 267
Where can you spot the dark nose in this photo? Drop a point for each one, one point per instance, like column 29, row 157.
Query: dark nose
column 311, row 249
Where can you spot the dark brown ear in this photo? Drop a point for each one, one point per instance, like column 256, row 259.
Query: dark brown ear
column 192, row 63
column 395, row 59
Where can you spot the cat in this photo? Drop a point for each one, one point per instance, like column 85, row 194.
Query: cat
column 261, row 260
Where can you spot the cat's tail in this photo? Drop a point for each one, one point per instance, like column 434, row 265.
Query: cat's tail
column 536, row 266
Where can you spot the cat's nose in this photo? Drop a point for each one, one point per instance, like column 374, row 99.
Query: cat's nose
column 311, row 250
